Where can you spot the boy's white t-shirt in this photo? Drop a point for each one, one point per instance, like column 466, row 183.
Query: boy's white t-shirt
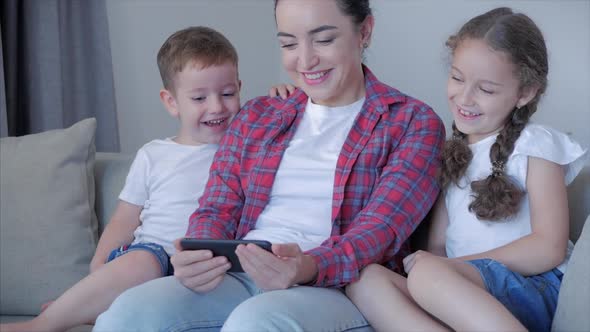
column 467, row 235
column 167, row 179
column 300, row 206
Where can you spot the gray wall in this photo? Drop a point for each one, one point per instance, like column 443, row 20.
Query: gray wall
column 139, row 27
column 407, row 52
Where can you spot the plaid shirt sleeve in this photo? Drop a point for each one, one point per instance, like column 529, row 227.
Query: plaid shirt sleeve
column 222, row 201
column 401, row 197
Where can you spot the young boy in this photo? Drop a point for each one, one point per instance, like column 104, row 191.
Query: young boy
column 199, row 69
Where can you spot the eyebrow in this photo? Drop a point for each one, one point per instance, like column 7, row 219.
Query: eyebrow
column 484, row 81
column 311, row 32
column 201, row 89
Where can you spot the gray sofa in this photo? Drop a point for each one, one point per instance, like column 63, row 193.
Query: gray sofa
column 111, row 168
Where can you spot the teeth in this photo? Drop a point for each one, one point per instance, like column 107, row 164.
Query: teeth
column 215, row 122
column 314, row 76
column 467, row 113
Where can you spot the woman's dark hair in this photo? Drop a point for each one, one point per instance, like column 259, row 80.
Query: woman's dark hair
column 498, row 197
column 357, row 9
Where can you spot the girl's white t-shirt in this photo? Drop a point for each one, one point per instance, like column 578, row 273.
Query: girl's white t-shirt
column 300, row 206
column 467, row 235
column 167, row 179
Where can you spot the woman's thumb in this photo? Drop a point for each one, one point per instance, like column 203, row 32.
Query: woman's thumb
column 286, row 249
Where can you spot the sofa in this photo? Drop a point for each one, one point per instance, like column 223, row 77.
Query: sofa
column 41, row 255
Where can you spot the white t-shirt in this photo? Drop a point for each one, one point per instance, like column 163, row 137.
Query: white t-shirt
column 167, row 179
column 300, row 206
column 468, row 235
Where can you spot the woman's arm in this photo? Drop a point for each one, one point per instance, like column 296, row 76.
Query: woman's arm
column 222, row 202
column 546, row 246
column 403, row 194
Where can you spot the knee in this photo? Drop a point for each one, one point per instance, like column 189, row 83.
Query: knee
column 424, row 273
column 118, row 315
column 128, row 312
column 370, row 276
column 256, row 315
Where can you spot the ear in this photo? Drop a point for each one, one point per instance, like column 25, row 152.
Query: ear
column 526, row 95
column 239, row 85
column 169, row 102
column 367, row 30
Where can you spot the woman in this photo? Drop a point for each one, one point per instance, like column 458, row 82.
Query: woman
column 336, row 177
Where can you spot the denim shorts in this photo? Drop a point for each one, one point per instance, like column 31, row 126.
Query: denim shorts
column 153, row 248
column 532, row 300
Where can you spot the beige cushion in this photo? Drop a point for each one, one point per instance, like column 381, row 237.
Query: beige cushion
column 48, row 227
column 574, row 296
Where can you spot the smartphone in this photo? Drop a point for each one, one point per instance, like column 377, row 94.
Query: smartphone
column 225, row 248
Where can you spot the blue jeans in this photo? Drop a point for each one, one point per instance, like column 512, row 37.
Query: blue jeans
column 164, row 304
column 532, row 300
column 153, row 248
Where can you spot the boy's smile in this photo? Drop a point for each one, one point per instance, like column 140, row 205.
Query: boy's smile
column 205, row 101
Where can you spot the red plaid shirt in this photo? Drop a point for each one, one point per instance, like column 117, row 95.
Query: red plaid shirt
column 384, row 183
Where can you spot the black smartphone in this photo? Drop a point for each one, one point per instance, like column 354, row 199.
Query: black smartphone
column 225, row 248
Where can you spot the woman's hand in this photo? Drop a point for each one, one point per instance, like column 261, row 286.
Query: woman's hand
column 283, row 90
column 281, row 269
column 198, row 269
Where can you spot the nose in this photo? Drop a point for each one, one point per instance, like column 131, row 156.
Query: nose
column 308, row 58
column 466, row 95
column 216, row 105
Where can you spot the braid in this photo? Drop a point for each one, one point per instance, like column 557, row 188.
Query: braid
column 456, row 157
column 498, row 197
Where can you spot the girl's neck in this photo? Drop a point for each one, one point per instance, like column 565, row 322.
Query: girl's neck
column 474, row 138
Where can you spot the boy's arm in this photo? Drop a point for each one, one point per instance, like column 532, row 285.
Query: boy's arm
column 438, row 227
column 284, row 90
column 118, row 232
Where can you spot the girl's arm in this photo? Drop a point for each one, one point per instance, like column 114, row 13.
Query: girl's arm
column 438, row 227
column 118, row 232
column 546, row 246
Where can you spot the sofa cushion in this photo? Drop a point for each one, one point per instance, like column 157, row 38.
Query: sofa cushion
column 574, row 295
column 48, row 227
column 110, row 172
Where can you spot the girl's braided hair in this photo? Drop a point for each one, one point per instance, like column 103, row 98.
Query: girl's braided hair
column 498, row 197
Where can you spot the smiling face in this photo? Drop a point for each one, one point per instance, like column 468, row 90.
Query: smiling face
column 482, row 89
column 205, row 100
column 322, row 50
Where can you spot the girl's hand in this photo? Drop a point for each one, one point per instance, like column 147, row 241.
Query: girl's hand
column 411, row 259
column 283, row 90
column 281, row 269
column 198, row 269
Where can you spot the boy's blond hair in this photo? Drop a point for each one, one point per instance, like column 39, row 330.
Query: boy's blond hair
column 194, row 45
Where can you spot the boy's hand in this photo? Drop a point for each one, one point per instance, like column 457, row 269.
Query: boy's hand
column 198, row 269
column 281, row 269
column 282, row 90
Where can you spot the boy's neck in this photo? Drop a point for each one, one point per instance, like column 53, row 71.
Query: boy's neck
column 187, row 141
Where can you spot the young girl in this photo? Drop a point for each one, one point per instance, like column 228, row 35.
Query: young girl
column 498, row 244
